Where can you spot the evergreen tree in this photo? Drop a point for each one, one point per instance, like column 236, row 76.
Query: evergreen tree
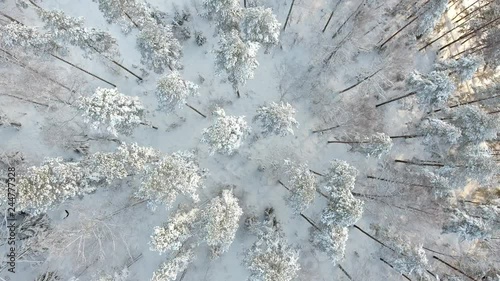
column 236, row 58
column 175, row 174
column 430, row 17
column 159, row 48
column 332, row 241
column 169, row 270
column 16, row 36
column 432, row 90
column 343, row 210
column 463, row 68
column 260, row 25
column 467, row 227
column 225, row 13
column 476, row 124
column 172, row 91
column 302, row 184
column 375, row 145
column 115, row 111
column 277, row 118
column 226, row 133
column 340, row 177
column 432, row 127
column 221, row 218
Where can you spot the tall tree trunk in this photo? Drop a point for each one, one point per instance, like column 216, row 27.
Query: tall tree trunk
column 441, row 36
column 406, row 136
column 470, row 33
column 83, row 70
column 359, row 82
column 453, row 267
column 316, row 173
column 348, row 18
column 397, row 182
column 395, row 99
column 149, row 125
column 470, row 102
column 327, row 22
column 397, row 32
column 346, row 142
column 471, row 13
column 24, row 99
column 345, row 272
column 391, row 266
column 372, row 237
column 127, row 70
column 288, row 16
column 310, row 221
column 196, row 110
column 324, row 130
column 465, row 9
column 419, row 164
column 245, row 3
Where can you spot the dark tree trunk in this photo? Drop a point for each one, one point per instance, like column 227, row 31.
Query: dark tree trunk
column 288, row 16
column 26, row 100
column 372, row 237
column 135, row 24
column 310, row 221
column 397, row 32
column 196, row 110
column 441, row 36
column 391, row 266
column 451, row 266
column 345, row 272
column 348, row 18
column 395, row 99
column 419, row 164
column 465, row 9
column 126, row 69
column 470, row 102
column 359, row 82
column 316, row 173
column 238, row 93
column 83, row 70
column 471, row 13
column 406, row 136
column 469, row 34
column 324, row 130
column 149, row 125
column 397, row 182
column 245, row 3
column 327, row 22
column 346, row 142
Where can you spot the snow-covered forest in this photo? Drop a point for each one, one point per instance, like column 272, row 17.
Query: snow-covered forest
column 261, row 140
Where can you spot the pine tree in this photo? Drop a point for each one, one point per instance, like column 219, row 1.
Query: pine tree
column 463, row 68
column 115, row 111
column 236, row 58
column 432, row 127
column 172, row 91
column 169, row 270
column 127, row 13
column 476, row 124
column 375, row 145
column 226, row 13
column 332, row 241
column 467, row 227
column 340, row 177
column 432, row 90
column 441, row 186
column 176, row 231
column 277, row 118
column 430, row 17
column 343, row 210
column 175, row 174
column 302, row 184
column 475, row 162
column 159, row 48
column 16, row 36
column 226, row 133
column 260, row 25
column 73, row 31
column 221, row 219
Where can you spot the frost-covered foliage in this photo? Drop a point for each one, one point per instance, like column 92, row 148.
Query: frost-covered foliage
column 221, row 217
column 430, row 17
column 463, row 68
column 332, row 241
column 226, row 133
column 175, row 174
column 432, row 90
column 115, row 111
column 340, row 177
column 302, row 185
column 73, row 31
column 177, row 230
column 476, row 124
column 432, row 127
column 53, row 182
column 169, row 270
column 277, row 118
column 225, row 13
column 343, row 210
column 127, row 13
column 271, row 258
column 260, row 25
column 15, row 36
column 467, row 227
column 375, row 145
column 475, row 162
column 117, row 276
column 441, row 186
column 236, row 58
column 172, row 91
column 409, row 258
column 137, row 157
column 159, row 48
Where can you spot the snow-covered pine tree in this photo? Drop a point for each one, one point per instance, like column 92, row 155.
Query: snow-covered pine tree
column 175, row 174
column 221, row 219
column 432, row 90
column 302, row 184
column 432, row 127
column 236, row 58
column 15, row 36
column 476, row 124
column 260, row 25
column 225, row 13
column 271, row 258
column 277, row 118
column 441, row 186
column 343, row 210
column 226, row 133
column 176, row 231
column 375, row 145
column 127, row 13
column 475, row 162
column 172, row 91
column 169, row 270
column 159, row 48
column 463, row 68
column 467, row 227
column 112, row 110
column 430, row 17
column 340, row 177
column 137, row 157
column 71, row 30
column 53, row 182
column 332, row 241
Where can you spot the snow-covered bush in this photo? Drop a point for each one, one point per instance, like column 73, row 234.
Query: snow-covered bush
column 237, row 58
column 226, row 133
column 432, row 90
column 53, row 182
column 169, row 270
column 332, row 241
column 177, row 230
column 375, row 145
column 476, row 124
column 225, row 13
column 175, row 174
column 172, row 91
column 302, row 185
column 463, row 68
column 16, row 36
column 159, row 48
column 467, row 227
column 343, row 210
column 277, row 118
column 221, row 219
column 260, row 25
column 115, row 111
column 340, row 177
